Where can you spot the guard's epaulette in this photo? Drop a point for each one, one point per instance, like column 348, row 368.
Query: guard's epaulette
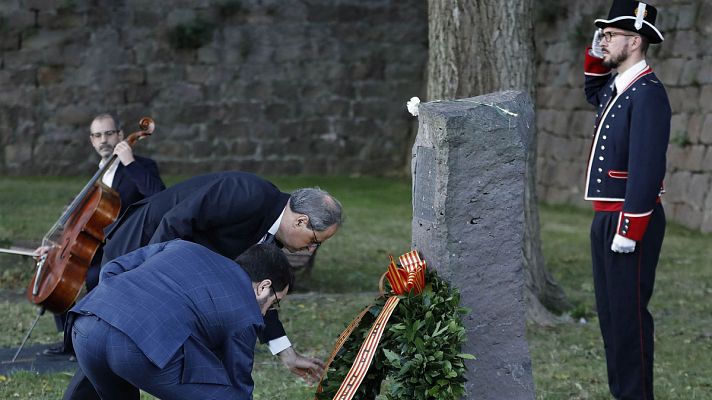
column 652, row 79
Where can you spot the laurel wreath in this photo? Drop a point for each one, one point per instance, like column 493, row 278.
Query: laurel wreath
column 419, row 356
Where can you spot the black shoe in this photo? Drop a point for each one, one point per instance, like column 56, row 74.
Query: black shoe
column 56, row 351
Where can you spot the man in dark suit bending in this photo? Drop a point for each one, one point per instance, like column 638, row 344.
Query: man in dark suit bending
column 227, row 212
column 178, row 321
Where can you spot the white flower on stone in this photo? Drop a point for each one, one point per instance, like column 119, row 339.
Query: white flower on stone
column 413, row 105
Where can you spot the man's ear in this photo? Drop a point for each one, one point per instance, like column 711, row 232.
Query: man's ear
column 302, row 219
column 121, row 134
column 263, row 287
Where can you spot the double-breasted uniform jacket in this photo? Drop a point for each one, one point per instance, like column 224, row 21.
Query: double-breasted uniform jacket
column 178, row 296
column 626, row 164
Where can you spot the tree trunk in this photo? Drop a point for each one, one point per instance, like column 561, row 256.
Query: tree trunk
column 484, row 46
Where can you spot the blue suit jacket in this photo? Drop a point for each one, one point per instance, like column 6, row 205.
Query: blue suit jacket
column 180, row 296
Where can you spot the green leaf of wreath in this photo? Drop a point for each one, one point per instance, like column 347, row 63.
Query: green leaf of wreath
column 419, row 355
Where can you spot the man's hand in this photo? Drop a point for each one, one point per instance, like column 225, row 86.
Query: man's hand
column 124, row 152
column 42, row 250
column 622, row 244
column 596, row 50
column 308, row 368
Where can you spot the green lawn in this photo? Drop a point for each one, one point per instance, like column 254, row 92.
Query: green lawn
column 568, row 360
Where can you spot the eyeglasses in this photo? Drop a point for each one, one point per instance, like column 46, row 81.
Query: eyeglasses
column 610, row 35
column 106, row 134
column 315, row 243
column 275, row 305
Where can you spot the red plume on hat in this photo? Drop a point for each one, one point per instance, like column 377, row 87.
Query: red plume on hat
column 634, row 16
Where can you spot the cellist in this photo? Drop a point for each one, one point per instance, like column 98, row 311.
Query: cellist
column 133, row 177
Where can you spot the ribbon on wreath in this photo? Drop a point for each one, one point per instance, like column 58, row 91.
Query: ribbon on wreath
column 411, row 277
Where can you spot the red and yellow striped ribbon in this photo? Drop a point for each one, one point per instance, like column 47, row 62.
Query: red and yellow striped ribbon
column 340, row 342
column 363, row 360
column 410, row 277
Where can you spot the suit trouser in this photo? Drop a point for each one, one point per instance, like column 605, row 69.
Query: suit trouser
column 623, row 285
column 117, row 367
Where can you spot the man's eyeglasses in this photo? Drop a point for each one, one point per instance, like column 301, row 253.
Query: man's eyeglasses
column 107, row 134
column 275, row 305
column 610, row 35
column 315, row 243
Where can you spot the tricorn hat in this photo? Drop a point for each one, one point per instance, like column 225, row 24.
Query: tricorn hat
column 634, row 16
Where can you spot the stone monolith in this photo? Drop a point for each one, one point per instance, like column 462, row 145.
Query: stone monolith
column 468, row 223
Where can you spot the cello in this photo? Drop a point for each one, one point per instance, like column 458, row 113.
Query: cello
column 75, row 238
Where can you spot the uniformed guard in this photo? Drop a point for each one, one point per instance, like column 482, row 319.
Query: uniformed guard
column 624, row 180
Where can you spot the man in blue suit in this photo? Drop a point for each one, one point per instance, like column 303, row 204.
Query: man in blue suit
column 624, row 181
column 131, row 176
column 178, row 321
column 227, row 212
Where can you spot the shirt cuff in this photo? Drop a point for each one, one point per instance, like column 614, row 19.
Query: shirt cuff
column 278, row 345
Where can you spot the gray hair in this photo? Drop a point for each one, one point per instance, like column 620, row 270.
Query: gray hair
column 322, row 209
column 111, row 116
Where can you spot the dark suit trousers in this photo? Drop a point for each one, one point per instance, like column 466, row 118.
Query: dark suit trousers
column 117, row 367
column 623, row 285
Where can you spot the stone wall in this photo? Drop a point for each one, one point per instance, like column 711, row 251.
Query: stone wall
column 683, row 63
column 270, row 86
column 315, row 86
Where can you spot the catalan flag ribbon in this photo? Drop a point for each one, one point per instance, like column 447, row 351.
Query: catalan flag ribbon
column 363, row 360
column 411, row 275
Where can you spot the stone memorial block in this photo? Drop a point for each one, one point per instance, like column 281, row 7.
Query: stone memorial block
column 469, row 161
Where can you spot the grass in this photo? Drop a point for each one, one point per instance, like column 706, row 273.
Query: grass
column 568, row 360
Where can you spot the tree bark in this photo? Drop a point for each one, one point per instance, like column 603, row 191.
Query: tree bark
column 483, row 46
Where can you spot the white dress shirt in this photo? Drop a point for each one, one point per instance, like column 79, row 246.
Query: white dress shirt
column 108, row 178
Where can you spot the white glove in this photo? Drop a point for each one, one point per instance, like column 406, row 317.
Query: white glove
column 596, row 50
column 622, row 244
